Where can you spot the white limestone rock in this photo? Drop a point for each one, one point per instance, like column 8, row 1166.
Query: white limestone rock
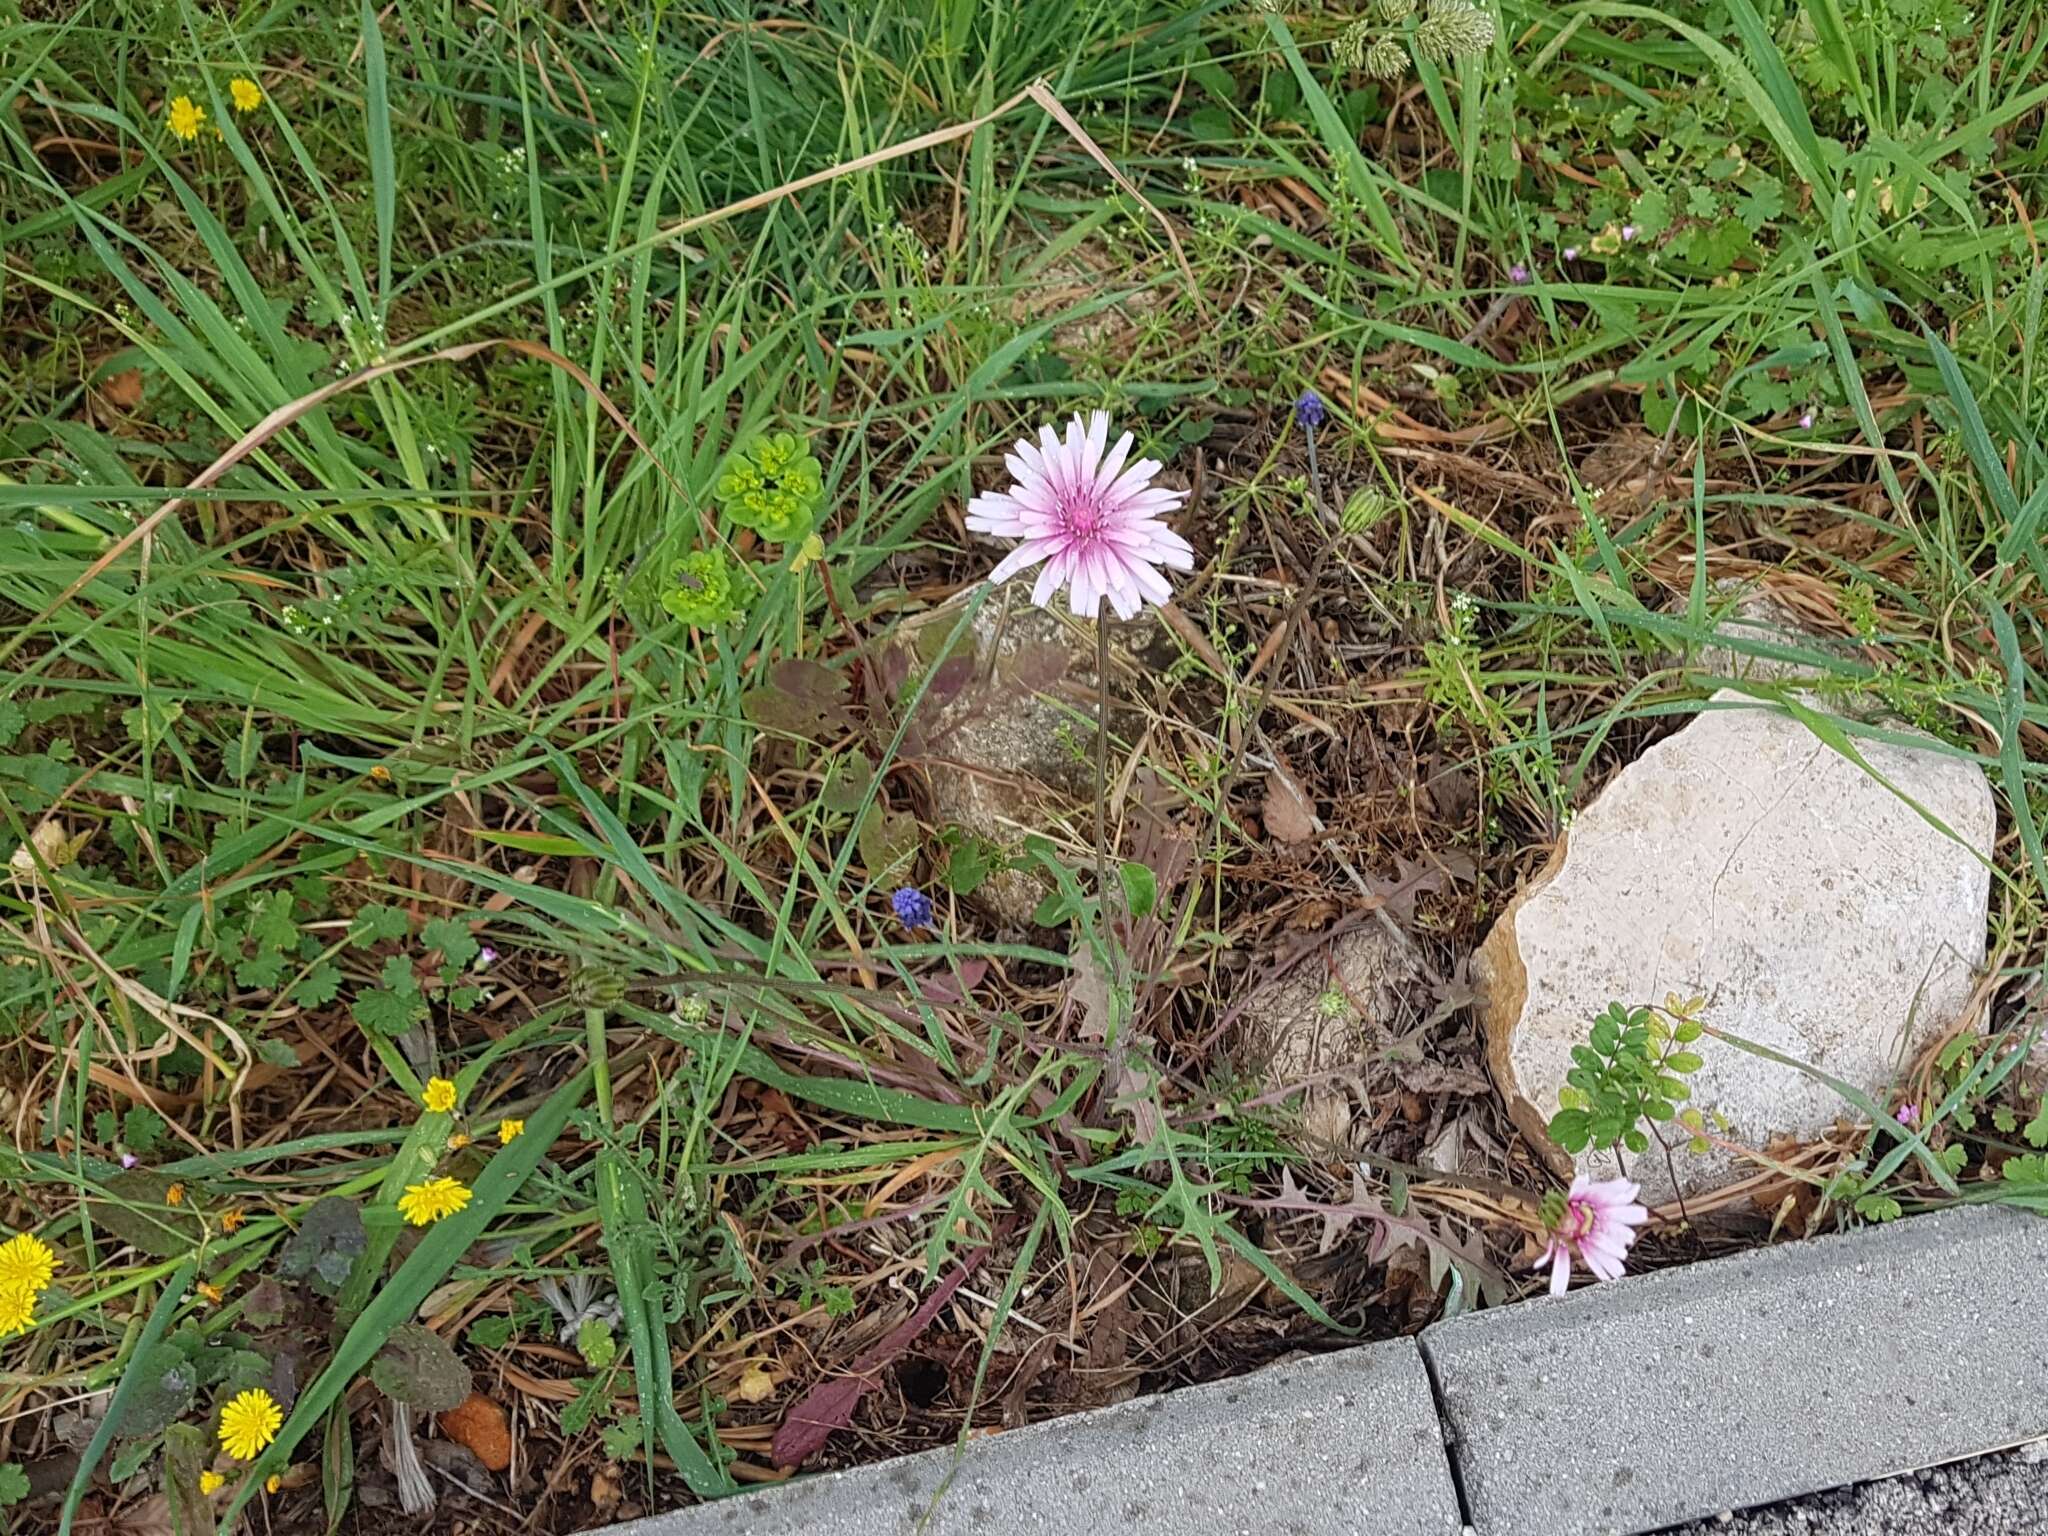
column 1745, row 860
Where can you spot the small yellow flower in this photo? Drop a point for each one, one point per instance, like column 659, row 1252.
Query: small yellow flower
column 508, row 1129
column 273, row 1482
column 381, row 774
column 425, row 1204
column 440, row 1095
column 26, row 1261
column 211, row 1482
column 230, row 1220
column 249, row 1423
column 209, row 1290
column 185, row 117
column 247, row 93
column 810, row 554
column 175, row 1195
column 17, row 1310
column 457, row 1142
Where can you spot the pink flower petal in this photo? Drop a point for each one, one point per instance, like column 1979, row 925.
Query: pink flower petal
column 1025, row 555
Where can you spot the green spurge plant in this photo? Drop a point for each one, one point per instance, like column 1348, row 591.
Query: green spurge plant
column 700, row 589
column 773, row 486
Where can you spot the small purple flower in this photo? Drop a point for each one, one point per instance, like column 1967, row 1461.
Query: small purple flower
column 486, row 957
column 1518, row 273
column 1308, row 410
column 129, row 1159
column 912, row 907
column 1628, row 231
column 1806, row 420
column 1570, row 253
column 1909, row 1115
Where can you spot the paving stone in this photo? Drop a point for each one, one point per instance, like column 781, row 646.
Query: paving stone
column 1337, row 1445
column 1671, row 1396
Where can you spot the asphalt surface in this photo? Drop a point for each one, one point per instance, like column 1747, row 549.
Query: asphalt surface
column 2001, row 1495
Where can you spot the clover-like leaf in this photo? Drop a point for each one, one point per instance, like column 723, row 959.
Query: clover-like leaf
column 419, row 1368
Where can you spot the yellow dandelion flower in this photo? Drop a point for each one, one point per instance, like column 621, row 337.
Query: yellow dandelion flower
column 17, row 1310
column 508, row 1129
column 211, row 1482
column 185, row 118
column 247, row 93
column 249, row 1423
column 273, row 1482
column 175, row 1195
column 440, row 1095
column 230, row 1220
column 425, row 1204
column 27, row 1262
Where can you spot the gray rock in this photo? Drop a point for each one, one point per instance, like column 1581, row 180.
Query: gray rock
column 1759, row 618
column 1319, row 1021
column 1744, row 860
column 1012, row 752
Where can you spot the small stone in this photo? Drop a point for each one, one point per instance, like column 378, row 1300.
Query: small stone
column 1012, row 752
column 1318, row 1022
column 480, row 1424
column 1761, row 618
column 1745, row 861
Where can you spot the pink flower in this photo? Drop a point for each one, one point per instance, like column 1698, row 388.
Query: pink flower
column 1094, row 522
column 1598, row 1224
column 1909, row 1115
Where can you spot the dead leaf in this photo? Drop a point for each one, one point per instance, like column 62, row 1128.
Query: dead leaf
column 755, row 1385
column 152, row 1517
column 1399, row 894
column 480, row 1424
column 1127, row 1085
column 1312, row 915
column 123, row 389
column 1288, row 813
column 1088, row 990
column 1453, row 790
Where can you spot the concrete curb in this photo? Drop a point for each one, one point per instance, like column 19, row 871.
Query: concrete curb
column 1618, row 1410
column 1336, row 1445
column 1749, row 1379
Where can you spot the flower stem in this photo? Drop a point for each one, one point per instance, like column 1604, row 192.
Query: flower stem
column 600, row 1063
column 1102, row 897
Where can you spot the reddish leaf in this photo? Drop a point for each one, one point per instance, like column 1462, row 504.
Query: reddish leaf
column 830, row 1404
column 944, row 989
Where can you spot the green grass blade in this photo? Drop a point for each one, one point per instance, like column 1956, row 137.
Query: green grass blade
column 159, row 1321
column 383, row 164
